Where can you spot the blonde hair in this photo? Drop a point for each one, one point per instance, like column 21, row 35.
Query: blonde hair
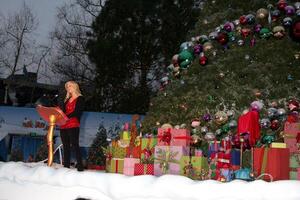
column 77, row 90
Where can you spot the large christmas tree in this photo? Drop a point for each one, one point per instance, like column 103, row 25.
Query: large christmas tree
column 238, row 53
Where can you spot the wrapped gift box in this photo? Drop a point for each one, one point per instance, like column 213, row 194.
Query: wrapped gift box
column 295, row 160
column 167, row 159
column 295, row 173
column 142, row 169
column 147, row 150
column 235, row 158
column 273, row 161
column 173, row 137
column 291, row 128
column 180, row 137
column 223, row 160
column 227, row 174
column 198, row 166
column 129, row 166
column 116, row 166
column 291, row 144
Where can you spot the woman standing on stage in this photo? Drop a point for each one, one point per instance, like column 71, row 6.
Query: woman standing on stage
column 73, row 107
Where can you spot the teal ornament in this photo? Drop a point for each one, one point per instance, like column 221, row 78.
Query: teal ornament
column 268, row 138
column 185, row 58
column 265, row 33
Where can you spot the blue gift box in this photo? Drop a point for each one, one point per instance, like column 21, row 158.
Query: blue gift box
column 235, row 157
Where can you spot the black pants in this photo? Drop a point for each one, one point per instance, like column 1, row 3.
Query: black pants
column 70, row 139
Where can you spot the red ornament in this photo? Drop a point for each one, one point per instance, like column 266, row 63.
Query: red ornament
column 222, row 38
column 274, row 124
column 295, row 31
column 245, row 32
column 203, row 60
column 243, row 20
column 281, row 5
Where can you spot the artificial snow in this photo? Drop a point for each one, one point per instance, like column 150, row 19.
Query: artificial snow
column 36, row 181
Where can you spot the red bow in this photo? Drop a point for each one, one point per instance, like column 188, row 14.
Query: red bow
column 166, row 137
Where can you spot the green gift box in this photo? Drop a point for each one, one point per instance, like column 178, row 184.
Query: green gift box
column 147, row 148
column 295, row 160
column 118, row 152
column 116, row 166
column 194, row 167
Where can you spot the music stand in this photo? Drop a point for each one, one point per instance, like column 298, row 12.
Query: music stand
column 54, row 116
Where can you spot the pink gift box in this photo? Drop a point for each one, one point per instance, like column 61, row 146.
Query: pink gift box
column 179, row 137
column 291, row 128
column 291, row 144
column 174, row 152
column 129, row 166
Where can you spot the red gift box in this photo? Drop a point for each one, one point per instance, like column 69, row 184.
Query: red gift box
column 141, row 169
column 273, row 161
column 223, row 160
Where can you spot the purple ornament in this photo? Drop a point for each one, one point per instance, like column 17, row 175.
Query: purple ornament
column 257, row 28
column 198, row 49
column 289, row 10
column 206, row 117
column 228, row 26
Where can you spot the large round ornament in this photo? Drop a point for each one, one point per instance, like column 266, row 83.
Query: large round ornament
column 213, row 35
column 297, row 5
column 186, row 46
column 265, row 123
column 279, row 32
column 262, row 13
column 232, row 124
column 207, row 46
column 195, row 123
column 206, row 117
column 289, row 10
column 257, row 28
column 209, row 136
column 221, row 117
column 281, row 4
column 250, row 19
column 222, row 38
column 295, row 31
column 228, row 26
column 275, row 124
column 202, row 39
column 198, row 48
column 265, row 33
column 275, row 14
column 203, row 60
column 245, row 32
column 243, row 20
column 204, row 129
column 287, row 21
column 185, row 58
column 272, row 113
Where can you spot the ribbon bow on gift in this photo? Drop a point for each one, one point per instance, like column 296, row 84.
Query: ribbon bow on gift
column 166, row 137
column 164, row 157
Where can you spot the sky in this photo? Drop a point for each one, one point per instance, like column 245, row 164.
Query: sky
column 44, row 10
column 36, row 181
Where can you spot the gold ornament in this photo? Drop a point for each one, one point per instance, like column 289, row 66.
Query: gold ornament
column 207, row 46
column 221, row 117
column 262, row 13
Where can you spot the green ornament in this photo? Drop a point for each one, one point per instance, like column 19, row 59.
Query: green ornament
column 185, row 58
column 268, row 138
column 225, row 128
column 265, row 33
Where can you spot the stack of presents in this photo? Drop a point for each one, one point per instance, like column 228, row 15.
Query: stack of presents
column 170, row 152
